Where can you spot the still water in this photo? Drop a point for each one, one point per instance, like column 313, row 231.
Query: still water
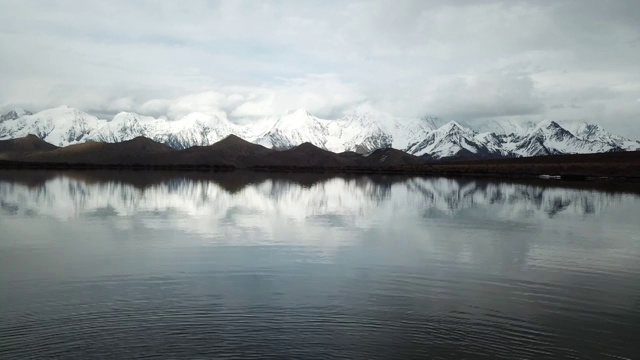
column 239, row 265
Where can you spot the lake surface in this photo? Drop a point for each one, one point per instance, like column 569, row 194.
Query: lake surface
column 239, row 265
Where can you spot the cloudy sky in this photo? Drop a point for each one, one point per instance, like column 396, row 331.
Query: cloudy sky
column 460, row 60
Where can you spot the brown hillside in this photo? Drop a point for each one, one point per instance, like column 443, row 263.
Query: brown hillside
column 136, row 151
column 350, row 155
column 13, row 148
column 231, row 150
column 392, row 157
column 306, row 154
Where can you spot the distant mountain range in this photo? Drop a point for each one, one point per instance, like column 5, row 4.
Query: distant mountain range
column 361, row 132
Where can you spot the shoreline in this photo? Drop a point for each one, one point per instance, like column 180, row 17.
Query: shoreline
column 591, row 172
column 236, row 180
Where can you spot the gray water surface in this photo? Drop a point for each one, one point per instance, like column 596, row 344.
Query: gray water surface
column 239, row 265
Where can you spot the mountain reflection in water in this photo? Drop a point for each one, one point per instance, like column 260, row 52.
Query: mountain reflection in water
column 256, row 265
column 70, row 194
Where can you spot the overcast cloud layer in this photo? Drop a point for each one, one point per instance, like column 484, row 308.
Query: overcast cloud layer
column 460, row 60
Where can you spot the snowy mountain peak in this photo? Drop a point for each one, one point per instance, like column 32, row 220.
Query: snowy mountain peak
column 293, row 129
column 589, row 130
column 550, row 124
column 595, row 133
column 124, row 126
column 62, row 109
column 123, row 117
column 503, row 126
column 362, row 120
column 552, row 129
column 301, row 112
column 59, row 126
column 296, row 117
column 14, row 114
column 586, row 131
column 62, row 114
column 452, row 126
column 204, row 119
column 434, row 122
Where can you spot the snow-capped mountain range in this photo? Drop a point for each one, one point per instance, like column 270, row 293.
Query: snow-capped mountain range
column 362, row 132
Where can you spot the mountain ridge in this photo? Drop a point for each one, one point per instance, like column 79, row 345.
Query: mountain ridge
column 134, row 151
column 361, row 132
column 235, row 153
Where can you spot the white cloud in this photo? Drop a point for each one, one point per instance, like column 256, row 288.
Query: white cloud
column 324, row 95
column 458, row 59
column 488, row 95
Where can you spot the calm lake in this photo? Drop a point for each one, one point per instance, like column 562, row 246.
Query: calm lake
column 125, row 265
